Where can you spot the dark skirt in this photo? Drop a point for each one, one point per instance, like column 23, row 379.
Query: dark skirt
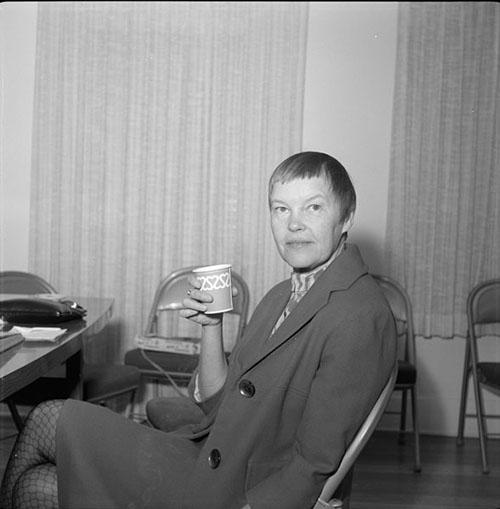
column 107, row 461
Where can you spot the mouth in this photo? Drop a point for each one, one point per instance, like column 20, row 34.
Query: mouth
column 298, row 244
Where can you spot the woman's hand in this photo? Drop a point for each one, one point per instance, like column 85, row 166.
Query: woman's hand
column 194, row 307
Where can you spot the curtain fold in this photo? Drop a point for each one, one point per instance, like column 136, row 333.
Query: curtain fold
column 156, row 128
column 443, row 230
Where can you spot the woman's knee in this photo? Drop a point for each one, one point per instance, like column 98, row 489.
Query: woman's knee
column 36, row 488
column 45, row 414
column 40, row 428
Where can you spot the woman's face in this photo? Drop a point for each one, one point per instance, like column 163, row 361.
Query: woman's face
column 305, row 221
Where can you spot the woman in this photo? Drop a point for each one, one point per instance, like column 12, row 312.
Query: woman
column 277, row 418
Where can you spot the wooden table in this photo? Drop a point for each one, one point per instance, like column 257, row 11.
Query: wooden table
column 24, row 363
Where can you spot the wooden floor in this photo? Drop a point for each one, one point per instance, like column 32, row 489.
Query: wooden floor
column 451, row 476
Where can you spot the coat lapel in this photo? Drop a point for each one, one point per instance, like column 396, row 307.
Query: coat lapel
column 340, row 275
column 260, row 326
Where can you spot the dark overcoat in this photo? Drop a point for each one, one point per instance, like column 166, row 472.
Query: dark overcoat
column 291, row 404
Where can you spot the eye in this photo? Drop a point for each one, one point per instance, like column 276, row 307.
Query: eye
column 315, row 207
column 279, row 209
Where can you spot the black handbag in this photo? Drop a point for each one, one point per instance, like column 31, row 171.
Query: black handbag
column 40, row 310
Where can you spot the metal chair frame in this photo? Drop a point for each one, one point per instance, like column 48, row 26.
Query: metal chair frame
column 328, row 496
column 403, row 313
column 168, row 297
column 483, row 307
column 16, row 281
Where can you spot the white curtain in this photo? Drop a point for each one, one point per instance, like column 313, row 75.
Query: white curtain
column 156, row 128
column 443, row 232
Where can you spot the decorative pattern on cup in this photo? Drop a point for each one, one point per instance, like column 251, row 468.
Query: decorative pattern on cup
column 216, row 280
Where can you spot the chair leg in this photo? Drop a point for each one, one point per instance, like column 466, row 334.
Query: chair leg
column 463, row 395
column 134, row 400
column 130, row 404
column 402, row 422
column 481, row 426
column 414, row 404
column 18, row 420
column 156, row 388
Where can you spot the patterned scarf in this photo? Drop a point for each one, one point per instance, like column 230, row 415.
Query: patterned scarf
column 302, row 283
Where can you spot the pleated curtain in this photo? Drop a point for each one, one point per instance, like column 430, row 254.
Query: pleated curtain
column 156, row 128
column 443, row 229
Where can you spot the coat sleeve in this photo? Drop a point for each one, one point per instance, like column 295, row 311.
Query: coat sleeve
column 356, row 361
column 278, row 294
column 207, row 405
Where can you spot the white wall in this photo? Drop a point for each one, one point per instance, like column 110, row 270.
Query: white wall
column 17, row 59
column 348, row 104
column 347, row 113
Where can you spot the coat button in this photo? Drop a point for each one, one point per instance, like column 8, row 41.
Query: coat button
column 246, row 388
column 214, row 458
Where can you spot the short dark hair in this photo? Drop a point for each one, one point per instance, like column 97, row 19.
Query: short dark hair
column 306, row 165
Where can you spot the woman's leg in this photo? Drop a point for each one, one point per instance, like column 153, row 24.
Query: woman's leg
column 30, row 477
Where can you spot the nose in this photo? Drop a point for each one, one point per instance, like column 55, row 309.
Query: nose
column 295, row 222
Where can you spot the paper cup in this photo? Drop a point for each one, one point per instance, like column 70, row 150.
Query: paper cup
column 216, row 280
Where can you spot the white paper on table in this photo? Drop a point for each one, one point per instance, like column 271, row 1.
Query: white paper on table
column 40, row 333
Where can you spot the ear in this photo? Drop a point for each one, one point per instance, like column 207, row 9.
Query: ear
column 348, row 223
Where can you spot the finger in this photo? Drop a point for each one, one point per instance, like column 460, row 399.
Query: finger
column 200, row 318
column 234, row 291
column 194, row 304
column 188, row 313
column 194, row 281
column 200, row 296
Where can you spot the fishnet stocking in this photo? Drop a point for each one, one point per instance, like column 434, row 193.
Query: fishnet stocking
column 30, row 477
column 36, row 488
